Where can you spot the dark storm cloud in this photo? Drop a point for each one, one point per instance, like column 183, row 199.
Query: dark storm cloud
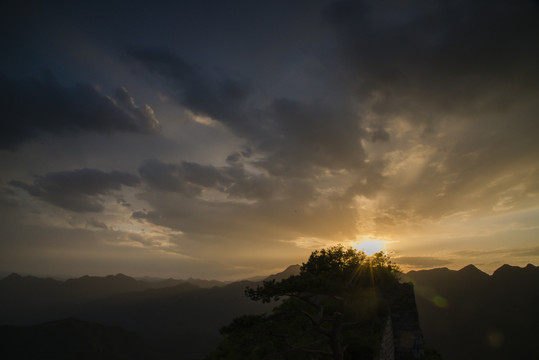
column 8, row 199
column 214, row 95
column 464, row 76
column 379, row 135
column 32, row 106
column 165, row 177
column 429, row 62
column 429, row 58
column 295, row 137
column 309, row 136
column 191, row 178
column 78, row 190
column 92, row 222
column 333, row 122
column 120, row 200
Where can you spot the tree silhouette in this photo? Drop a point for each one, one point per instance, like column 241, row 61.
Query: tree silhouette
column 333, row 307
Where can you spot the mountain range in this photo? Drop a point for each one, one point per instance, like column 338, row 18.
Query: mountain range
column 468, row 314
column 465, row 314
column 177, row 317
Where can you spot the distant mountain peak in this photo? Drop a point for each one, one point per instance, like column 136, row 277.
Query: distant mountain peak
column 122, row 276
column 470, row 268
column 17, row 278
column 508, row 270
column 13, row 276
column 473, row 272
column 507, row 266
column 504, row 269
column 435, row 270
column 289, row 271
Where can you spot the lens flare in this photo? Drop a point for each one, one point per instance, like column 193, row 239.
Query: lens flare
column 495, row 338
column 440, row 301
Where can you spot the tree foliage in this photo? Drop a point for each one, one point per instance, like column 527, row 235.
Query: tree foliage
column 332, row 309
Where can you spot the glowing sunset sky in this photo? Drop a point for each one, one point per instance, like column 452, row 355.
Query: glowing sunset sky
column 219, row 139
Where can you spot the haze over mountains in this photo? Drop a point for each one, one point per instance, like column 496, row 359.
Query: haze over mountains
column 176, row 316
column 465, row 314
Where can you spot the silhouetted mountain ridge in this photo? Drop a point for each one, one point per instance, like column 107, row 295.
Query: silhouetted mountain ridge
column 462, row 311
column 472, row 270
column 468, row 314
column 181, row 319
column 286, row 273
column 93, row 286
column 85, row 288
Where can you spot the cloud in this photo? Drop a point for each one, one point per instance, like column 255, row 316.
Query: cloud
column 512, row 252
column 307, row 137
column 121, row 201
column 430, row 60
column 421, row 83
column 295, row 138
column 248, row 224
column 32, row 106
column 454, row 57
column 8, row 199
column 446, row 95
column 79, row 190
column 94, row 223
column 232, row 204
column 191, row 179
column 166, row 177
column 217, row 96
column 429, row 101
column 421, row 261
column 288, row 125
column 380, row 135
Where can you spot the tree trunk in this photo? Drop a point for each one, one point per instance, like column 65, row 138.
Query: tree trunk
column 334, row 342
column 336, row 348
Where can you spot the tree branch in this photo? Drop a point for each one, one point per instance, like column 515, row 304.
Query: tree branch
column 316, row 324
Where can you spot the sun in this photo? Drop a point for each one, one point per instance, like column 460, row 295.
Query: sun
column 369, row 246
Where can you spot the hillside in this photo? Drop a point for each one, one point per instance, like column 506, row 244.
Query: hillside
column 467, row 314
column 73, row 339
column 180, row 319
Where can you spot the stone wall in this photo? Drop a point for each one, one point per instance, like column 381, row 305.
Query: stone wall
column 387, row 344
column 402, row 337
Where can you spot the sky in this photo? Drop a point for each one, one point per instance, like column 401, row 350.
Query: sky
column 229, row 139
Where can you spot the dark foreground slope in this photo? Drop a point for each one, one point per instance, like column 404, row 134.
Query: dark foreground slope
column 181, row 320
column 185, row 323
column 468, row 314
column 465, row 314
column 73, row 339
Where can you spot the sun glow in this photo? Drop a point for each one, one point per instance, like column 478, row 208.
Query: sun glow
column 369, row 246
